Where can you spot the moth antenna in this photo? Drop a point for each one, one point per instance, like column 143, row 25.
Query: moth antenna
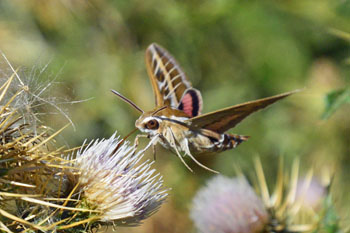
column 158, row 110
column 127, row 100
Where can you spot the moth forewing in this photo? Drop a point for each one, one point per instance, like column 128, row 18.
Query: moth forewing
column 224, row 119
column 151, row 66
column 168, row 80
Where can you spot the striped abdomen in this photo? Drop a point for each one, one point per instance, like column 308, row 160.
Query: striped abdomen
column 229, row 141
column 210, row 141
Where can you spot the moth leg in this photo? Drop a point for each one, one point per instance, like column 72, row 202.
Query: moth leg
column 154, row 151
column 187, row 151
column 172, row 144
column 136, row 141
column 151, row 143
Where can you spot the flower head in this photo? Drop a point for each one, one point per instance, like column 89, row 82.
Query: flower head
column 115, row 183
column 228, row 205
column 311, row 192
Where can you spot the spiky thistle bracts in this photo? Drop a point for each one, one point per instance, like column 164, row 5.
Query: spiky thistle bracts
column 26, row 164
column 285, row 206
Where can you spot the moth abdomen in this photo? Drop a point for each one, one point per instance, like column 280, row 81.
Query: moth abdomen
column 222, row 142
column 232, row 140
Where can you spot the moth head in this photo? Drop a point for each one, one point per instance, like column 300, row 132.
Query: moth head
column 149, row 122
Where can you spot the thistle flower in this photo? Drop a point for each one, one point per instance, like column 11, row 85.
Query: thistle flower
column 105, row 184
column 231, row 205
column 311, row 192
column 43, row 189
column 116, row 185
column 228, row 205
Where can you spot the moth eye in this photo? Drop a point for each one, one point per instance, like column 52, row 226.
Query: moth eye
column 152, row 124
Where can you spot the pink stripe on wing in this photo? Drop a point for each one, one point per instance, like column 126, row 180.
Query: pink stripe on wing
column 187, row 104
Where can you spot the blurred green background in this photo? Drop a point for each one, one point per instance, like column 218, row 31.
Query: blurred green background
column 233, row 51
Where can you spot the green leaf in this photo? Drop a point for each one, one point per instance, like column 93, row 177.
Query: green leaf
column 334, row 100
column 331, row 219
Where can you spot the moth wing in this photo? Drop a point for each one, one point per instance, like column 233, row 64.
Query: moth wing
column 227, row 118
column 168, row 81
